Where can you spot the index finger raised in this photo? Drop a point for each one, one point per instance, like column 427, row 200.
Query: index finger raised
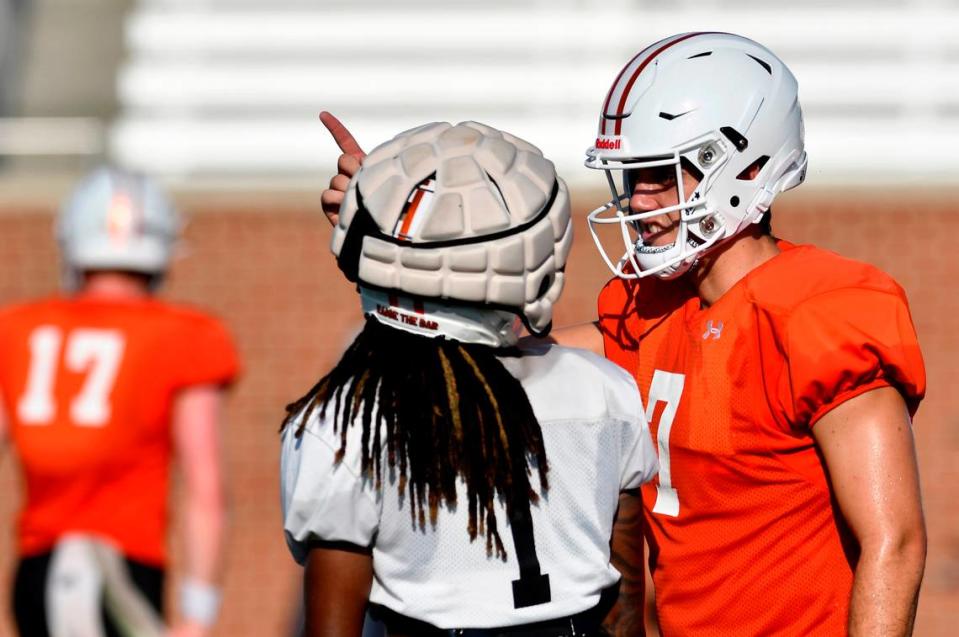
column 341, row 135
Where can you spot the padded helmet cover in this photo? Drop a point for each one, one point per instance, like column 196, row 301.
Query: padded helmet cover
column 465, row 213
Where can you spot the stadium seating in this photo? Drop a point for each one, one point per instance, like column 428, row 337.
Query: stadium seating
column 232, row 87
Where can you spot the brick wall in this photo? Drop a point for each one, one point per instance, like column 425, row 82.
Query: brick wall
column 267, row 271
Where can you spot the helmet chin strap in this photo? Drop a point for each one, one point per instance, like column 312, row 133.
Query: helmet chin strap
column 678, row 269
column 686, row 265
column 646, row 256
column 434, row 319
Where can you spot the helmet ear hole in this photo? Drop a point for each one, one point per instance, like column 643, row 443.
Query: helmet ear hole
column 751, row 171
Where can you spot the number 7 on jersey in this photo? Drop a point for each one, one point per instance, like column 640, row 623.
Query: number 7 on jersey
column 667, row 388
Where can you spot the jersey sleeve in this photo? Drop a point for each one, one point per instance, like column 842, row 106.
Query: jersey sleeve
column 207, row 354
column 324, row 500
column 639, row 463
column 842, row 343
column 637, row 459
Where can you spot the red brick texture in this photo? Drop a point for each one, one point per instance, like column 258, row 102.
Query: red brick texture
column 267, row 271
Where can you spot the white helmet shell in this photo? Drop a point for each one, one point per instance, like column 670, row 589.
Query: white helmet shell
column 464, row 213
column 116, row 220
column 722, row 103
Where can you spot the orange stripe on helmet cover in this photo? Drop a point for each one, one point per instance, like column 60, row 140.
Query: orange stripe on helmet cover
column 408, row 220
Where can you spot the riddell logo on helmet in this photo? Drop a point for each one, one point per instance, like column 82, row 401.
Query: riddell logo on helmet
column 609, row 143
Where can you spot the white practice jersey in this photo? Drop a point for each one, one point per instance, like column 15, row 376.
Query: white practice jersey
column 597, row 444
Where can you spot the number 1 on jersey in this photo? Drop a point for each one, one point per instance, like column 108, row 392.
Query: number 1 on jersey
column 667, row 388
column 96, row 352
column 36, row 404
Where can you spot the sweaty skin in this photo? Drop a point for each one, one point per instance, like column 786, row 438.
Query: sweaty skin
column 879, row 495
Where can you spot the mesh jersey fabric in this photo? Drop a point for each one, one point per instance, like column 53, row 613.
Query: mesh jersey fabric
column 108, row 473
column 596, row 444
column 744, row 537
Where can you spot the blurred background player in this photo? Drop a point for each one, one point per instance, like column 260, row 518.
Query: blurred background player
column 101, row 389
column 440, row 472
column 779, row 380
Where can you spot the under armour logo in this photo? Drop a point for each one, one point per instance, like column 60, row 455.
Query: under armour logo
column 713, row 330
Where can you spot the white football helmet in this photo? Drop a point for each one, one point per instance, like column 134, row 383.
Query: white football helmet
column 463, row 213
column 115, row 220
column 720, row 103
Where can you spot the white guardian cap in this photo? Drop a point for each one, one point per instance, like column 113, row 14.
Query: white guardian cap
column 719, row 104
column 116, row 220
column 463, row 213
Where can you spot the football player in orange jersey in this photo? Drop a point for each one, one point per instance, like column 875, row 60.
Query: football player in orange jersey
column 779, row 380
column 101, row 388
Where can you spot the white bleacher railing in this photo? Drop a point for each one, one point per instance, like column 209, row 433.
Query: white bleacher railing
column 230, row 88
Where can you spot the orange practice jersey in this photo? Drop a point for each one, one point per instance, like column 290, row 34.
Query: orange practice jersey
column 88, row 387
column 744, row 537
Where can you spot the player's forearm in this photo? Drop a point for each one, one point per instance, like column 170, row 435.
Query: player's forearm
column 199, row 594
column 205, row 526
column 627, row 555
column 196, row 432
column 886, row 586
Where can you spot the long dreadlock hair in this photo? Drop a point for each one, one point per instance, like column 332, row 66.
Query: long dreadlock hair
column 448, row 411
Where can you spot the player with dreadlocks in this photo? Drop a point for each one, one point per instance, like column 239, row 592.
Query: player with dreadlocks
column 460, row 390
column 435, row 420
